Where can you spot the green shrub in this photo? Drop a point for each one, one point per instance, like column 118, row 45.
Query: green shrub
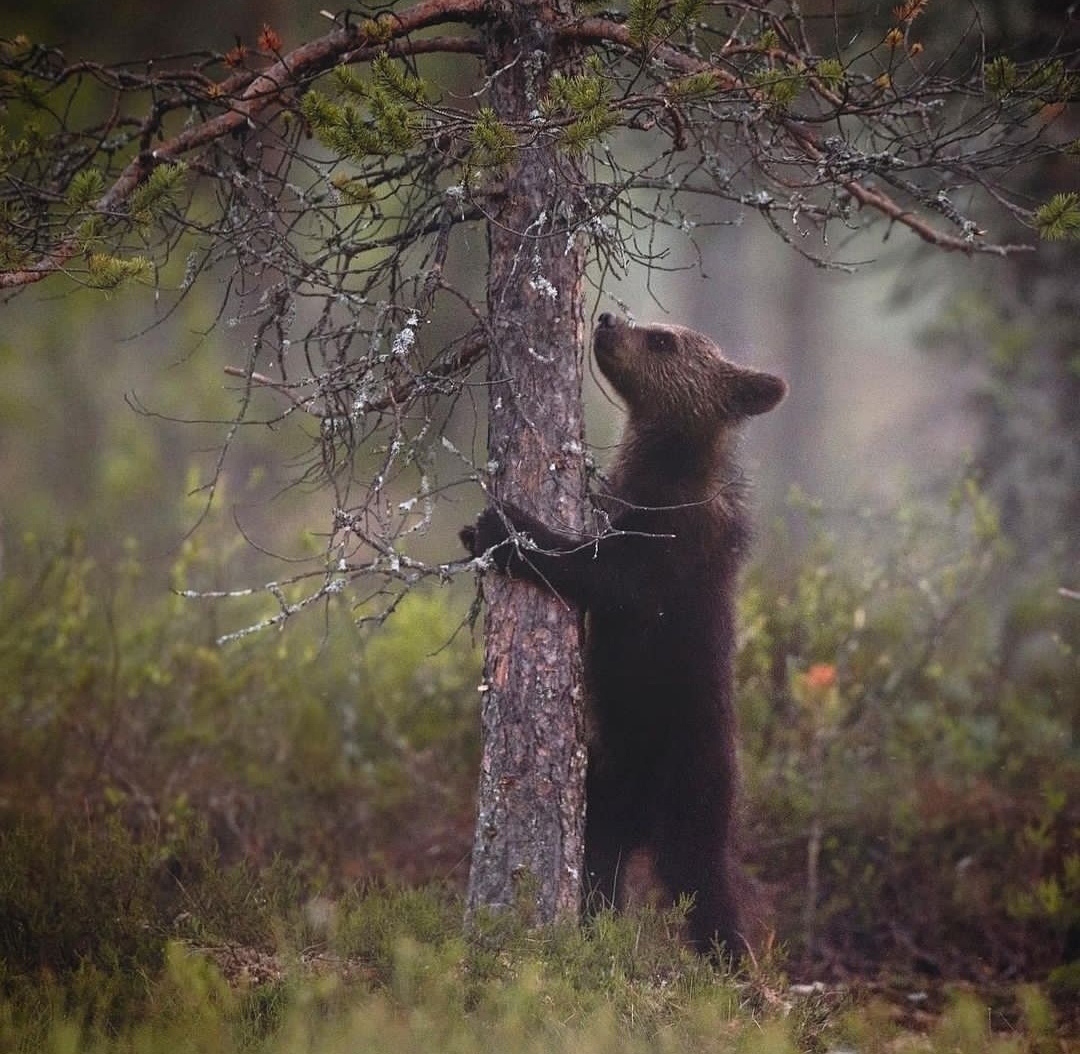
column 345, row 750
column 912, row 789
column 154, row 785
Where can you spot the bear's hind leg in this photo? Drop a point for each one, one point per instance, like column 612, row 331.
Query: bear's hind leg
column 691, row 843
column 611, row 835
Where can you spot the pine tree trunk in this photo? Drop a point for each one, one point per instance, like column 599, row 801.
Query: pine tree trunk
column 530, row 825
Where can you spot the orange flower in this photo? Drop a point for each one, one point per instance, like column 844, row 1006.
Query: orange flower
column 269, row 40
column 816, row 691
column 820, row 676
column 236, row 57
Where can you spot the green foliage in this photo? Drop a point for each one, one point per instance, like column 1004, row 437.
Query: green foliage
column 52, row 874
column 584, row 99
column 378, row 30
column 1041, row 82
column 649, row 21
column 778, row 88
column 578, row 92
column 880, row 709
column 12, row 255
column 394, row 77
column 16, row 48
column 1005, row 341
column 965, row 1029
column 29, row 145
column 1051, row 82
column 85, row 188
column 831, row 73
column 644, row 22
column 493, row 143
column 408, row 976
column 562, row 988
column 157, row 777
column 153, row 196
column 692, row 86
column 149, row 781
column 683, row 12
column 370, row 924
column 88, row 905
column 353, row 191
column 342, row 128
column 339, row 756
column 767, row 41
column 104, row 271
column 1059, row 218
column 386, row 120
column 1053, row 893
column 1001, row 76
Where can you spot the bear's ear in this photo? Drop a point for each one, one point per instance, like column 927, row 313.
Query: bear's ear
column 758, row 393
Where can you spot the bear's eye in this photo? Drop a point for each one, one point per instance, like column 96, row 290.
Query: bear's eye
column 659, row 342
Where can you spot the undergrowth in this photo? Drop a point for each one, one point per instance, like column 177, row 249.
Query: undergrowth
column 399, row 974
column 908, row 734
column 263, row 846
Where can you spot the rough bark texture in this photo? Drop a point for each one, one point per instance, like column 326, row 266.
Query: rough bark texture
column 530, row 830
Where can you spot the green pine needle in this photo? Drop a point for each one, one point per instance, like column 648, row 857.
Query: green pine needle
column 108, row 272
column 85, row 188
column 1059, row 218
column 493, row 143
column 150, row 199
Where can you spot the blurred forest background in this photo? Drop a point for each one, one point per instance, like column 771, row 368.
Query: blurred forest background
column 909, row 670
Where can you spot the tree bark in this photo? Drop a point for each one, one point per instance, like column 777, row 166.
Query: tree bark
column 530, row 825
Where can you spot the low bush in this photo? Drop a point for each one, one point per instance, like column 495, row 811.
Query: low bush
column 155, row 786
column 910, row 803
column 912, row 783
column 352, row 753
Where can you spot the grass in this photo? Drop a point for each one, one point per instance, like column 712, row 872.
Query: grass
column 393, row 971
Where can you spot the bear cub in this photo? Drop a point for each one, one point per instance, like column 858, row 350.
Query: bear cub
column 657, row 581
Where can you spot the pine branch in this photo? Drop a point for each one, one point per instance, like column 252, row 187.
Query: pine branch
column 291, row 71
column 602, row 30
column 474, row 349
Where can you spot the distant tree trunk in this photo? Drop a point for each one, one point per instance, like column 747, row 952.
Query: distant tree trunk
column 529, row 834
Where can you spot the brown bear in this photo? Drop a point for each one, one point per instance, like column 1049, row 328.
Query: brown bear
column 657, row 580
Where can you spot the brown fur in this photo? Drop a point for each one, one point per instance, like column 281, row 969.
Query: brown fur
column 658, row 584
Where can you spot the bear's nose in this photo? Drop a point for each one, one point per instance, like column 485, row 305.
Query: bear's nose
column 606, row 320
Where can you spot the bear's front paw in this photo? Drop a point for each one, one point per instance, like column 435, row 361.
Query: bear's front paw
column 488, row 531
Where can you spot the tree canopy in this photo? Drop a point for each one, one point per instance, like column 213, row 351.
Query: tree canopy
column 331, row 181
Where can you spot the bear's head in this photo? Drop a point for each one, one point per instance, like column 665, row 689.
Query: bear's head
column 674, row 376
